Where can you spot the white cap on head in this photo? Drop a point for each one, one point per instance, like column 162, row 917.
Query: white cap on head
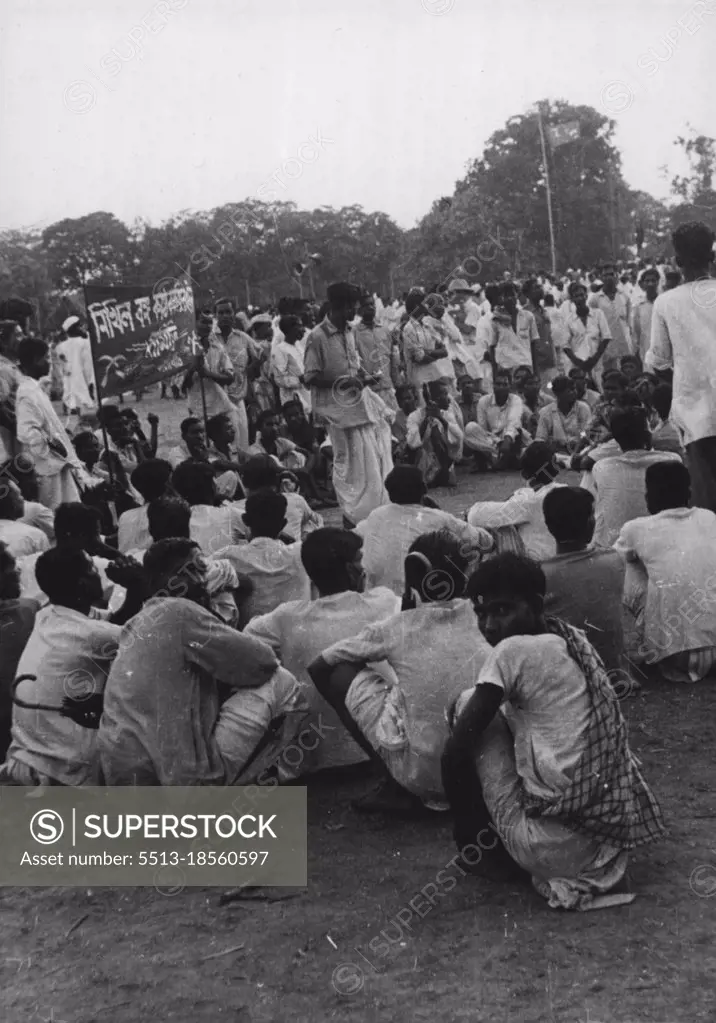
column 70, row 322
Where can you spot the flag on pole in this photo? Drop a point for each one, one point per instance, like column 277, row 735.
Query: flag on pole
column 560, row 134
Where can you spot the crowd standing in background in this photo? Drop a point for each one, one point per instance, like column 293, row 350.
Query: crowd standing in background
column 477, row 661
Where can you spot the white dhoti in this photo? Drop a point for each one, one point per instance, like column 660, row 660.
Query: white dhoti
column 362, row 458
column 478, row 439
column 241, row 424
column 257, row 726
column 568, row 867
column 59, row 488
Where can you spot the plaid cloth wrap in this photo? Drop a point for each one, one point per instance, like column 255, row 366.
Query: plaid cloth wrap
column 608, row 797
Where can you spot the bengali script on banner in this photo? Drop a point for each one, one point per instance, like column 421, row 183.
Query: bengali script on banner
column 139, row 335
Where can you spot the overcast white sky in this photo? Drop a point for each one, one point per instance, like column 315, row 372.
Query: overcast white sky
column 220, row 93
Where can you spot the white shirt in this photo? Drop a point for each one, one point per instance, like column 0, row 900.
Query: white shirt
column 677, row 549
column 389, row 531
column 454, row 435
column 70, row 655
column 275, row 569
column 583, row 339
column 75, row 356
column 133, row 530
column 22, row 539
column 547, row 707
column 298, row 632
column 301, row 519
column 37, row 423
column 523, row 510
column 435, row 651
column 286, row 368
column 683, row 337
column 620, row 489
column 215, row 528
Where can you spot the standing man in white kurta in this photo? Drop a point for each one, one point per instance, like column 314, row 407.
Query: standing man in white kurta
column 42, row 435
column 358, row 420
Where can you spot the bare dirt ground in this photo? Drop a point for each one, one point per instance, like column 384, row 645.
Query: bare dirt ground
column 350, row 948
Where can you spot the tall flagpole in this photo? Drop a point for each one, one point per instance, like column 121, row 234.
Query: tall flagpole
column 549, row 190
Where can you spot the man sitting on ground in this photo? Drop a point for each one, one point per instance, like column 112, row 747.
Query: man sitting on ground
column 273, row 567
column 389, row 530
column 496, row 437
column 584, row 392
column 194, row 447
column 261, row 473
column 618, row 481
column 284, row 452
column 170, row 517
column 564, row 423
column 432, row 650
column 20, row 538
column 152, row 480
column 523, row 510
column 585, row 583
column 614, row 384
column 68, row 655
column 213, row 526
column 669, row 592
column 161, row 723
column 17, row 619
column 435, row 436
column 298, row 631
column 539, row 751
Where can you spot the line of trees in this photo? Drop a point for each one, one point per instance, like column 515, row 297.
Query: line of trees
column 495, row 220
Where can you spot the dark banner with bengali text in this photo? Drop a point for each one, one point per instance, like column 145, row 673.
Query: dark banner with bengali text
column 140, row 335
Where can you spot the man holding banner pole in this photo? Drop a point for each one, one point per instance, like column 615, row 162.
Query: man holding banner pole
column 241, row 349
column 209, row 375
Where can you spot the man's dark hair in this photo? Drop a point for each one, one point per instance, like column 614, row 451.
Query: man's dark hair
column 326, row 553
column 287, row 323
column 59, row 573
column 194, row 481
column 537, row 462
column 30, row 350
column 168, row 517
column 186, row 424
column 405, row 485
column 293, row 403
column 561, row 384
column 265, row 513
column 693, row 244
column 260, row 471
column 567, row 511
column 267, row 413
column 224, row 301
column 668, row 485
column 151, row 477
column 168, row 563
column 76, row 522
column 502, row 373
column 629, row 429
column 216, row 424
column 508, row 574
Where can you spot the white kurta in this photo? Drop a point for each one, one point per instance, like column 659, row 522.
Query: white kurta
column 75, row 357
column 37, row 424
